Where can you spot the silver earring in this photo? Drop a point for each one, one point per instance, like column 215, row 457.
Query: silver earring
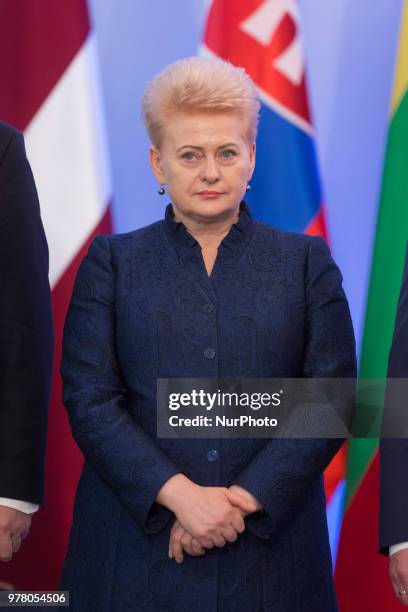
column 248, row 187
column 162, row 190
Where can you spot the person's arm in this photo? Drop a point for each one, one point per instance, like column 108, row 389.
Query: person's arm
column 394, row 451
column 393, row 530
column 281, row 473
column 128, row 459
column 393, row 525
column 26, row 335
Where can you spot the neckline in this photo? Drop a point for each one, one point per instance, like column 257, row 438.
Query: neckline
column 185, row 243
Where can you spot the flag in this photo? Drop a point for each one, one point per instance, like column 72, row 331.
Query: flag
column 264, row 37
column 362, row 574
column 50, row 91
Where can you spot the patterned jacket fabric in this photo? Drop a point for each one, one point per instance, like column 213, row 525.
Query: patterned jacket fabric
column 144, row 307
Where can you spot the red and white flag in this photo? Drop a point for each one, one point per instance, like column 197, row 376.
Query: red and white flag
column 50, row 91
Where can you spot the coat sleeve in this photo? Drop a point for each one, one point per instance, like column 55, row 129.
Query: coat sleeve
column 95, row 395
column 282, row 472
column 26, row 334
column 393, row 526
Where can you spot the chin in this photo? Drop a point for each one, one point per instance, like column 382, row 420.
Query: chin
column 213, row 208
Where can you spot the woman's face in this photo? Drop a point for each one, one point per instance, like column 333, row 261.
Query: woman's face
column 206, row 162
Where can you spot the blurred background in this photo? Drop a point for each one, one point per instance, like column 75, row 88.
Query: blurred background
column 72, row 77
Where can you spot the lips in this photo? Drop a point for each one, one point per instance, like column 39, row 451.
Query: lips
column 209, row 193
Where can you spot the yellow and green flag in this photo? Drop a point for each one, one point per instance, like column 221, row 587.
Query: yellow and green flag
column 361, row 574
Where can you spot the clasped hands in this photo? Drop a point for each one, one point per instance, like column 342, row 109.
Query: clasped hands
column 205, row 516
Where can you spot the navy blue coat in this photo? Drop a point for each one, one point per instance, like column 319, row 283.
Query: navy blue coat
column 144, row 307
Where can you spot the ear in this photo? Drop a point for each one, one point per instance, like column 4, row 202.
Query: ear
column 252, row 157
column 155, row 162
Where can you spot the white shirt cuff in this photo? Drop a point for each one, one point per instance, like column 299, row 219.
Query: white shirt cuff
column 23, row 506
column 397, row 547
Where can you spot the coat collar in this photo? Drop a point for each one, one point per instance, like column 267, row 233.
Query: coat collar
column 233, row 242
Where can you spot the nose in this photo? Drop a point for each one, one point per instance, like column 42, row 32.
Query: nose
column 210, row 171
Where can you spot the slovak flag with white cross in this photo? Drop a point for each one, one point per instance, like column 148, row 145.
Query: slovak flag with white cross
column 264, row 37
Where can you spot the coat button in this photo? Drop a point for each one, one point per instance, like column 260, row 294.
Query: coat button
column 209, row 353
column 212, row 455
column 208, row 308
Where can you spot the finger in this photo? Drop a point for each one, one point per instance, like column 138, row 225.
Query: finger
column 6, row 548
column 174, row 543
column 393, row 575
column 174, row 530
column 230, row 534
column 186, row 543
column 177, row 545
column 6, row 586
column 401, row 575
column 399, row 578
column 178, row 552
column 206, row 542
column 16, row 542
column 219, row 540
column 402, row 595
column 171, row 548
column 398, row 586
column 238, row 500
column 238, row 523
column 175, row 533
column 191, row 545
column 26, row 530
column 171, row 552
column 402, row 592
column 24, row 534
column 196, row 546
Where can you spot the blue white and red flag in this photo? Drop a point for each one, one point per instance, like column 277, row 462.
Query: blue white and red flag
column 264, row 37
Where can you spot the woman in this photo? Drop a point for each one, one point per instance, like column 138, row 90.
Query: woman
column 177, row 524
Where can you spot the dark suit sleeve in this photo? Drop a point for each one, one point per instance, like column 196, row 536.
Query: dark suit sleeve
column 394, row 451
column 95, row 395
column 282, row 472
column 26, row 338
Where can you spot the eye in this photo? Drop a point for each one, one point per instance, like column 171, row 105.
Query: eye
column 189, row 156
column 228, row 154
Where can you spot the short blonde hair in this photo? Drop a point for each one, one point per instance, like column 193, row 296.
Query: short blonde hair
column 199, row 83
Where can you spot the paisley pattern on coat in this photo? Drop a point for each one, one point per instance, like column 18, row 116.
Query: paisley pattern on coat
column 144, row 307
